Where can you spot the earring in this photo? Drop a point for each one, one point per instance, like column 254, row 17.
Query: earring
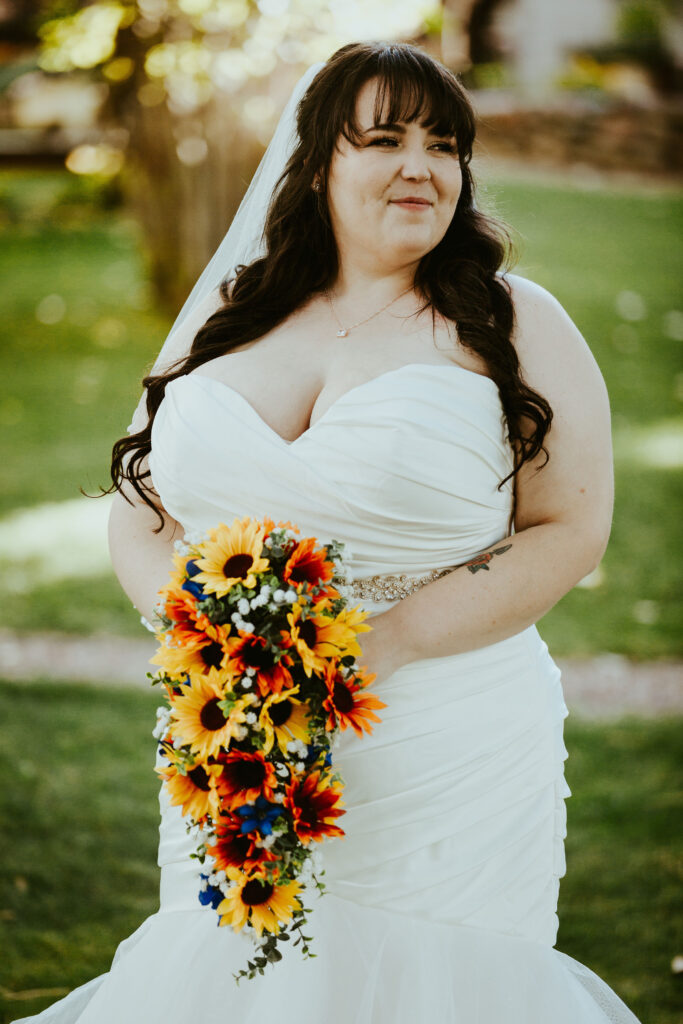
column 316, row 186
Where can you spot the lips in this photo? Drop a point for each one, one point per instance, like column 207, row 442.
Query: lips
column 412, row 199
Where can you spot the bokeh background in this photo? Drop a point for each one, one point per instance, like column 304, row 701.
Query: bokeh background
column 129, row 132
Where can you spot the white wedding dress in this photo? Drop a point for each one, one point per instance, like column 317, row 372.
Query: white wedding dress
column 442, row 897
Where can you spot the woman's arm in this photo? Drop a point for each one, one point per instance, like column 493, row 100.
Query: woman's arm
column 141, row 558
column 563, row 515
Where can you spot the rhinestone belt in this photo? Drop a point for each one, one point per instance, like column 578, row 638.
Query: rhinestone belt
column 389, row 588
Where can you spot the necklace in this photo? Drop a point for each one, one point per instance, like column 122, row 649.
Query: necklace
column 343, row 331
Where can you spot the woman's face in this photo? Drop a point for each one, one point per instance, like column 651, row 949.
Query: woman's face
column 365, row 184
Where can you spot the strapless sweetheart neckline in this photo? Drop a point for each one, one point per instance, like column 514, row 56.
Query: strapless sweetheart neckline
column 489, row 384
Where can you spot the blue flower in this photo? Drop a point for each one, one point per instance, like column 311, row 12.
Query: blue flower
column 192, row 569
column 259, row 816
column 210, row 895
column 314, row 753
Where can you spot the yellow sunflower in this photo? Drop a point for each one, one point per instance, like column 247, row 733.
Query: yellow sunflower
column 198, row 659
column 232, row 555
column 320, row 637
column 284, row 718
column 198, row 721
column 264, row 904
column 196, row 792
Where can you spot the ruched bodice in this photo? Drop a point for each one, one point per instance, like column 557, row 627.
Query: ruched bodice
column 442, row 895
column 404, row 466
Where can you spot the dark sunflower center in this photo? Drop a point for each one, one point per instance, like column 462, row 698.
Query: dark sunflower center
column 298, row 574
column 212, row 655
column 199, row 778
column 238, row 566
column 256, row 656
column 248, row 773
column 241, row 845
column 211, row 716
column 343, row 700
column 256, row 892
column 280, row 711
column 308, row 813
column 308, row 633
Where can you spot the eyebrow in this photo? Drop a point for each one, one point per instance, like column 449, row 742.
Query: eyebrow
column 393, row 127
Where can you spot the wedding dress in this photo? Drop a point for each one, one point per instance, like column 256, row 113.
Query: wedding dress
column 442, row 896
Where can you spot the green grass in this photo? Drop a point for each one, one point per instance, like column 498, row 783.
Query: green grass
column 68, row 388
column 79, row 833
column 79, row 817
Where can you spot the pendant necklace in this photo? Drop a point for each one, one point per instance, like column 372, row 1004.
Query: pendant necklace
column 343, row 331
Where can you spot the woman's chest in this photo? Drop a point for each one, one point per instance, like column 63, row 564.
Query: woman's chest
column 295, row 374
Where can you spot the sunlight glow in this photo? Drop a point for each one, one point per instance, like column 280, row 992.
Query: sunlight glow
column 659, row 445
column 55, row 541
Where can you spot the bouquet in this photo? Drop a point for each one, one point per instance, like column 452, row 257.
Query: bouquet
column 257, row 657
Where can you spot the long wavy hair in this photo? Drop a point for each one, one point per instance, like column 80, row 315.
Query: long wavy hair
column 459, row 278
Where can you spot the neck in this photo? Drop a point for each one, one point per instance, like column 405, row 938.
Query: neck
column 358, row 288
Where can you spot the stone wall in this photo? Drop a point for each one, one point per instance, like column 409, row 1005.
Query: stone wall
column 609, row 135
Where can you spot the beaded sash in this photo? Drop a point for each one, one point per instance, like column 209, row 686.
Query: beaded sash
column 394, row 587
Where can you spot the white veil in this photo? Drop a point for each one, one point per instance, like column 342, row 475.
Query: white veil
column 242, row 243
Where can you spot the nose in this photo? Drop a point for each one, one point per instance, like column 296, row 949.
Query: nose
column 415, row 164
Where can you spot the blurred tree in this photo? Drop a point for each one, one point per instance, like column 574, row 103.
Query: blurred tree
column 198, row 86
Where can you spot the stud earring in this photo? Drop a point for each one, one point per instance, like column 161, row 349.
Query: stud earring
column 316, row 186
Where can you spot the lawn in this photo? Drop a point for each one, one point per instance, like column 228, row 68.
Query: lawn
column 80, row 326
column 78, row 837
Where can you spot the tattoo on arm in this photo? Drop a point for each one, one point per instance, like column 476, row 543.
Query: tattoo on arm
column 482, row 561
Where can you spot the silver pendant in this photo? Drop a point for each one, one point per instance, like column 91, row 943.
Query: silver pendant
column 342, row 332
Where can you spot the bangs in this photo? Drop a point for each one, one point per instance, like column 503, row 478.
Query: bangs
column 410, row 90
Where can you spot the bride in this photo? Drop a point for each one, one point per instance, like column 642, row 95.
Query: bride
column 363, row 368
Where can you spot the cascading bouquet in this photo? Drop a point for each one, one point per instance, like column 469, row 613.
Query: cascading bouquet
column 258, row 659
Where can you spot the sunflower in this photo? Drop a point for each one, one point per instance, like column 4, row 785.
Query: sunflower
column 243, row 776
column 346, row 704
column 189, row 626
column 314, row 801
column 264, row 904
column 283, row 718
column 195, row 791
column 248, row 650
column 198, row 720
column 307, row 565
column 235, row 849
column 232, row 555
column 198, row 659
column 319, row 637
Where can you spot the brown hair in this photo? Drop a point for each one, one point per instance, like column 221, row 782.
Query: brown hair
column 458, row 278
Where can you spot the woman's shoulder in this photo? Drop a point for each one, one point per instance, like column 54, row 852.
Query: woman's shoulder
column 542, row 325
column 528, row 296
column 555, row 358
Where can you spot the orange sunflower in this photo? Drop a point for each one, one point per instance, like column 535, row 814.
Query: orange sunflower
column 242, row 777
column 231, row 555
column 346, row 703
column 197, row 720
column 234, row 849
column 314, row 802
column 320, row 637
column 248, row 650
column 284, row 718
column 264, row 904
column 195, row 792
column 189, row 626
column 307, row 565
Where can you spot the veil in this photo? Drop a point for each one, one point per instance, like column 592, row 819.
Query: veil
column 242, row 243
